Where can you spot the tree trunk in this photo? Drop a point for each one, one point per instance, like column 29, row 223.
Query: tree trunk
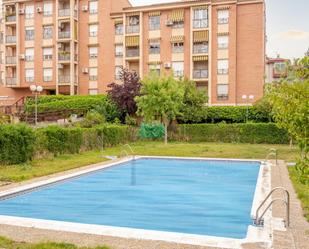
column 165, row 132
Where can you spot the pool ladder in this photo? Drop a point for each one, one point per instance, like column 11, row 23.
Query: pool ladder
column 259, row 221
column 125, row 152
column 272, row 152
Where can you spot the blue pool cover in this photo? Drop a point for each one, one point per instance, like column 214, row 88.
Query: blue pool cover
column 188, row 196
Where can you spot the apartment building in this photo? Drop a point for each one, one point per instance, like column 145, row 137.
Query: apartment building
column 80, row 46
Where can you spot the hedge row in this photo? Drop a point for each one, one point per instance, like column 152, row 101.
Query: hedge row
column 255, row 133
column 228, row 114
column 82, row 103
column 19, row 143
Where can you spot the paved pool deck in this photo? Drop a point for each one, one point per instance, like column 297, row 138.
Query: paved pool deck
column 296, row 237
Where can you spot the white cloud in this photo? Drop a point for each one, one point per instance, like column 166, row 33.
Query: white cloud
column 293, row 34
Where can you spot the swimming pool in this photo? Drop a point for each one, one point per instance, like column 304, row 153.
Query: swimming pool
column 203, row 197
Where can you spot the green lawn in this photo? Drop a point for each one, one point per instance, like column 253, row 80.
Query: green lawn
column 42, row 167
column 8, row 244
column 302, row 191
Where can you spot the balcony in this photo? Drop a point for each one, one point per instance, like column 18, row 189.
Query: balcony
column 29, row 79
column 132, row 53
column 200, row 23
column 200, row 74
column 64, row 79
column 11, row 81
column 221, row 97
column 11, row 18
column 10, row 39
column 132, row 29
column 64, row 56
column 64, row 35
column 64, row 12
column 10, row 60
column 200, row 49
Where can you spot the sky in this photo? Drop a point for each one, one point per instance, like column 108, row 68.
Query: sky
column 287, row 26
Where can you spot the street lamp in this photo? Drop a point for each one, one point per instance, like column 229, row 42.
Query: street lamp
column 247, row 99
column 36, row 90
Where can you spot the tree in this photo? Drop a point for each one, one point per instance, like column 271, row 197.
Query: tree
column 194, row 103
column 123, row 94
column 161, row 99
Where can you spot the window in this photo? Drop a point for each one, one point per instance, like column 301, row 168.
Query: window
column 48, row 9
column 223, row 42
column 47, row 54
column 200, row 18
column 93, row 7
column 222, row 91
column 154, row 47
column 178, row 68
column 93, row 91
column 29, row 33
column 93, row 73
column 47, row 32
column 29, row 11
column 29, row 75
column 119, row 29
column 154, row 22
column 47, row 74
column 29, row 54
column 118, row 71
column 177, row 47
column 155, row 68
column 93, row 30
column 200, row 48
column 178, row 25
column 223, row 66
column 118, row 50
column 223, row 16
column 93, row 52
column 133, row 24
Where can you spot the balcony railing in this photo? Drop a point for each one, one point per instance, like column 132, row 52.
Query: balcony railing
column 10, row 60
column 200, row 23
column 10, row 39
column 64, row 12
column 132, row 53
column 223, row 71
column 64, row 57
column 11, row 81
column 178, row 73
column 29, row 79
column 132, row 29
column 200, row 49
column 200, row 73
column 64, row 34
column 222, row 97
column 11, row 18
column 64, row 79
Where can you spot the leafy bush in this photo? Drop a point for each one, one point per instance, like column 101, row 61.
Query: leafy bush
column 92, row 118
column 100, row 103
column 267, row 133
column 16, row 144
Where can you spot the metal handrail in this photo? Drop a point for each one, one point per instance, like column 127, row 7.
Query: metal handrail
column 132, row 151
column 259, row 218
column 272, row 152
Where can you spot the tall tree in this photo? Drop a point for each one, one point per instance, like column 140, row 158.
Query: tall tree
column 124, row 94
column 161, row 99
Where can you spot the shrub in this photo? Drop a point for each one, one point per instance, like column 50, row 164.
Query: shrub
column 100, row 103
column 257, row 133
column 151, row 131
column 16, row 144
column 91, row 119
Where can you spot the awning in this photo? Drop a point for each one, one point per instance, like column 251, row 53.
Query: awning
column 119, row 21
column 132, row 14
column 132, row 41
column 154, row 39
column 223, row 33
column 154, row 62
column 226, row 7
column 177, row 38
column 155, row 13
column 200, row 58
column 205, row 7
column 200, row 36
column 177, row 15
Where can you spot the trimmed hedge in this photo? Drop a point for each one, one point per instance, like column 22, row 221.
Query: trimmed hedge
column 82, row 103
column 19, row 143
column 255, row 133
column 228, row 114
column 16, row 144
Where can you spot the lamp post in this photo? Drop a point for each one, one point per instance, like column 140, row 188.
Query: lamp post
column 36, row 90
column 247, row 99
